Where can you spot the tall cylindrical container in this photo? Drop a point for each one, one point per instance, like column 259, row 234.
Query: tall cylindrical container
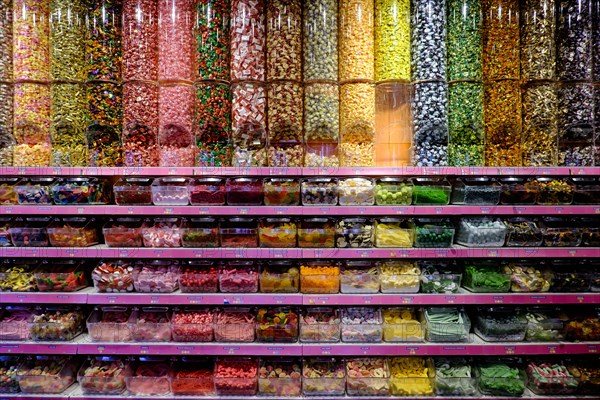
column 249, row 124
column 32, row 125
column 430, row 118
column 357, row 125
column 356, row 40
column 596, row 40
column 68, row 102
column 140, row 124
column 502, row 104
column 464, row 40
column 176, row 125
column 7, row 139
column 105, row 123
column 67, row 40
column 392, row 40
column 575, row 124
column 538, row 30
column 213, row 124
column 428, row 42
column 465, row 123
column 501, row 43
column 574, row 40
column 540, row 124
column 213, row 50
column 321, row 124
column 320, row 44
column 176, row 40
column 6, row 40
column 248, row 40
column 393, row 124
column 284, row 40
column 103, row 50
column 140, row 40
column 31, row 40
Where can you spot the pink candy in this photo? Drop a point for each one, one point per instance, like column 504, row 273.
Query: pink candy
column 176, row 40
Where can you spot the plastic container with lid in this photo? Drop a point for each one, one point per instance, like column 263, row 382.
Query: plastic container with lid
column 439, row 276
column 570, row 276
column 30, row 232
column 199, row 276
column 544, row 324
column 281, row 377
column 486, row 277
column 319, row 276
column 8, row 194
column 47, row 374
column 354, row 233
column 361, row 324
column 561, row 232
column 431, row 191
column 500, row 324
column 56, row 323
column 356, row 192
column 193, row 377
column 124, row 232
column 447, row 324
column 433, row 232
column 590, row 231
column 244, row 191
column 554, row 191
column 550, row 377
column 207, row 191
column 403, row 324
column 501, row 377
column 81, row 190
column 9, row 366
column 239, row 232
column 200, row 232
column 455, row 377
column 239, row 277
column 394, row 232
column 236, row 376
column 156, row 276
column 528, row 276
column 165, row 232
column 170, row 191
column 279, row 276
column 523, row 232
column 476, row 190
column 316, row 232
column 235, row 324
column 17, row 275
column 62, row 276
column 323, row 376
column 518, row 190
column 367, row 376
column 5, row 224
column 34, row 190
column 151, row 376
column 103, row 375
column 277, row 324
column 14, row 322
column 587, row 190
column 281, row 191
column 133, row 191
column 192, row 324
column 73, row 232
column 109, row 324
column 113, row 276
column 392, row 191
column 593, row 267
column 320, row 192
column 587, row 372
column 277, row 232
column 359, row 277
column 398, row 276
column 583, row 325
column 320, row 325
column 481, row 232
column 150, row 324
column 411, row 376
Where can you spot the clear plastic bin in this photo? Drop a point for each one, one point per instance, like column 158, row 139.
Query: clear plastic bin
column 103, row 375
column 394, row 232
column 320, row 325
column 113, row 276
column 398, row 276
column 73, row 232
column 8, row 194
column 30, row 232
column 500, row 324
column 528, row 276
column 62, row 276
column 165, row 232
column 587, row 373
column 170, row 191
column 501, row 378
column 550, row 377
column 80, row 190
column 318, row 276
column 570, row 276
column 124, row 232
column 523, row 232
column 433, row 232
column 403, row 324
column 244, row 191
column 316, row 233
column 235, row 324
column 411, row 376
column 207, row 191
column 239, row 277
column 561, row 232
column 34, row 190
column 278, row 324
column 14, row 322
column 229, row 376
column 281, row 377
column 587, row 190
column 47, row 374
column 476, row 191
column 590, row 231
column 481, row 232
column 545, row 324
column 367, row 377
column 133, row 191
column 518, row 190
column 320, row 192
column 150, row 324
column 239, row 232
column 431, row 191
column 356, row 192
column 151, row 376
column 109, row 324
column 393, row 192
column 447, row 324
column 281, row 191
column 323, row 377
column 554, row 191
column 278, row 232
column 5, row 224
column 57, row 323
column 193, row 377
column 359, row 277
column 361, row 324
column 199, row 276
column 455, row 377
column 354, row 233
column 9, row 366
column 486, row 277
column 439, row 277
column 583, row 325
column 192, row 325
column 156, row 276
column 280, row 277
column 200, row 233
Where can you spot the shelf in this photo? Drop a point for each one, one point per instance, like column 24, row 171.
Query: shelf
column 179, row 298
column 299, row 210
column 102, row 251
column 8, row 347
column 306, row 171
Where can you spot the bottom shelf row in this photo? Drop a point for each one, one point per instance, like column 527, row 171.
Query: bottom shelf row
column 293, row 377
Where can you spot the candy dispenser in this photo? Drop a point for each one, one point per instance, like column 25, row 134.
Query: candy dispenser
column 320, row 40
column 212, row 49
column 32, row 125
column 393, row 124
column 105, row 117
column 428, row 45
column 140, row 123
column 103, row 53
column 574, row 40
column 465, row 121
column 69, row 147
column 464, row 40
column 285, row 153
column 285, row 111
column 6, row 37
column 538, row 30
column 31, row 40
column 7, row 139
column 392, row 40
column 502, row 119
column 248, row 40
column 176, row 125
column 430, row 118
column 575, row 124
column 140, row 40
column 176, row 40
column 67, row 44
column 356, row 40
column 213, row 124
column 596, row 41
column 540, row 124
column 357, row 125
column 321, row 124
column 249, row 114
column 501, row 39
column 284, row 39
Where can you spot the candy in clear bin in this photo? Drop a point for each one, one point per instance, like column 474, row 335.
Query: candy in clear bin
column 81, row 190
column 8, row 194
column 316, row 232
column 192, row 325
column 354, row 233
column 5, row 224
column 361, row 324
column 62, row 276
column 320, row 324
column 150, row 324
column 244, row 191
column 280, row 377
column 403, row 324
column 124, row 232
column 193, row 377
column 236, row 376
column 103, row 375
column 156, row 276
column 323, row 377
column 278, row 232
column 34, row 190
column 47, row 374
column 200, row 233
column 235, row 324
column 279, row 324
column 207, row 191
column 165, row 232
column 133, row 191
column 170, row 191
column 199, row 276
column 113, row 276
column 356, row 192
column 439, row 276
column 359, row 277
column 279, row 276
column 239, row 232
column 14, row 322
column 367, row 377
column 110, row 324
column 319, row 192
column 17, row 275
column 411, row 376
column 73, row 232
column 30, row 232
column 239, row 277
column 481, row 232
column 151, row 376
column 398, row 276
column 281, row 191
column 455, row 377
column 8, row 374
column 56, row 323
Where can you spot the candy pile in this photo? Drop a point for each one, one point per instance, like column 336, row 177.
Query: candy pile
column 356, row 192
column 550, row 378
column 323, row 376
column 281, row 192
column 500, row 324
column 8, row 375
column 481, row 232
column 354, row 233
column 319, row 277
column 235, row 325
column 57, row 324
column 110, row 324
column 447, row 324
column 165, row 232
column 430, row 232
column 500, row 379
column 486, row 278
column 151, row 324
column 46, row 375
column 361, row 324
column 320, row 324
column 277, row 325
column 359, row 277
column 150, row 378
column 527, row 278
column 394, row 232
column 159, row 276
column 277, row 232
column 199, row 277
column 398, row 276
column 14, row 323
column 316, row 232
column 236, row 376
column 193, row 325
column 239, row 277
column 439, row 278
column 113, row 277
column 18, row 279
column 279, row 378
column 393, row 191
column 544, row 325
column 280, row 277
column 523, row 233
column 104, row 375
column 401, row 324
column 411, row 376
column 454, row 377
column 320, row 192
column 367, row 377
column 193, row 378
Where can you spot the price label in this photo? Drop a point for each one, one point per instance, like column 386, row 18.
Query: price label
column 498, row 299
column 100, row 349
column 195, row 299
column 441, row 253
column 509, row 350
column 72, row 252
column 581, row 299
column 158, row 253
column 592, row 349
column 326, row 351
column 407, row 299
column 401, row 210
column 365, row 349
column 412, row 350
column 520, row 210
column 493, row 253
column 361, row 210
column 281, row 210
column 366, row 253
column 597, row 210
column 275, row 350
column 112, row 299
column 573, row 253
column 357, row 171
column 325, row 210
column 9, row 348
column 454, row 348
column 154, row 299
column 558, row 210
column 450, row 299
column 538, row 299
column 203, row 210
column 80, row 210
column 243, row 210
column 144, row 349
column 551, row 349
column 8, row 210
column 279, row 299
column 234, row 300
column 168, row 210
column 367, row 299
column 485, row 210
column 22, row 298
column 183, row 350
column 62, row 297
column 56, row 171
column 230, row 350
column 172, row 171
column 130, row 210
column 439, row 210
column 123, row 253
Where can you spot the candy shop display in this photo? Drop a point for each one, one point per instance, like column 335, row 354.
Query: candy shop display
column 280, row 377
column 18, row 276
column 277, row 232
column 481, row 232
column 103, row 375
column 320, row 192
column 5, row 223
column 150, row 324
column 500, row 324
column 248, row 118
column 62, row 276
column 133, row 191
column 285, row 106
column 486, row 277
column 322, row 154
column 68, row 113
column 192, row 325
column 361, row 324
column 239, row 232
column 207, row 191
column 198, row 276
column 157, row 276
column 455, row 377
column 403, row 324
column 244, row 191
column 575, row 115
column 411, row 376
column 279, row 277
column 193, row 377
column 8, row 194
column 150, row 377
column 56, row 323
column 103, row 133
column 569, row 277
column 200, row 232
column 14, row 323
column 560, row 232
column 34, row 190
column 323, row 377
column 123, row 232
column 30, row 232
column 285, row 153
column 476, row 191
column 431, row 191
column 367, row 377
column 393, row 122
column 499, row 378
column 8, row 374
column 523, row 232
column 46, row 374
column 235, row 324
column 527, row 276
column 550, row 378
column 354, row 233
column 321, row 113
column 392, row 40
column 357, row 124
column 356, row 40
column 170, row 191
column 587, row 373
column 176, row 142
column 78, row 190
column 359, row 277
column 277, row 325
column 394, row 232
column 433, row 232
column 165, row 232
column 398, row 276
column 430, row 99
column 239, row 277
column 113, row 276
column 356, row 192
column 587, row 190
column 281, row 192
column 393, row 191
column 447, row 324
column 554, row 191
column 583, row 325
column 320, row 325
column 319, row 277
column 544, row 324
column 518, row 190
column 316, row 232
column 109, row 324
column 236, row 376
column 140, row 123
column 73, row 232
column 465, row 118
column 439, row 277
column 539, row 118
